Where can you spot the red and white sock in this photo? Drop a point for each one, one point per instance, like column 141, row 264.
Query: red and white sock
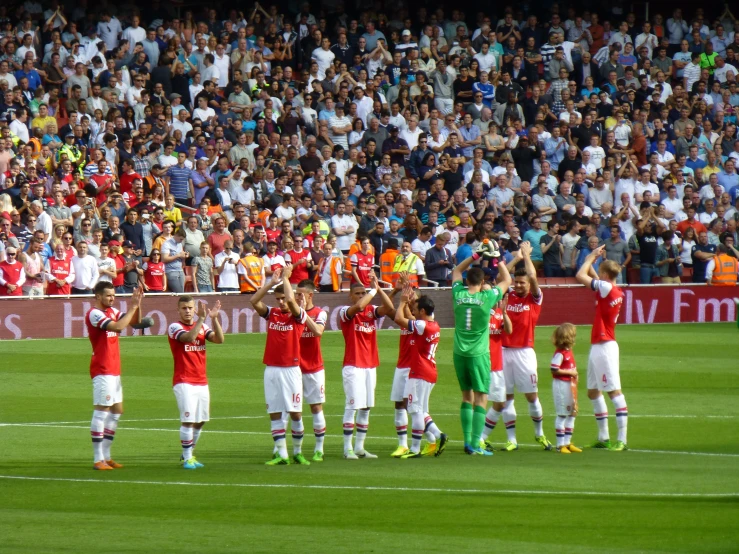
column 97, row 428
column 569, row 429
column 601, row 417
column 349, row 416
column 509, row 418
column 417, row 424
column 622, row 416
column 491, row 420
column 433, row 433
column 537, row 416
column 278, row 435
column 559, row 428
column 362, row 428
column 401, row 427
column 111, row 424
column 298, row 433
column 186, row 442
column 319, row 429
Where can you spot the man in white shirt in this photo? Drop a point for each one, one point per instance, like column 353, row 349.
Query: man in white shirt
column 724, row 71
column 210, row 70
column 422, row 244
column 644, row 185
column 625, row 184
column 225, row 265
column 286, row 211
column 203, row 112
column 133, row 96
column 345, row 227
column 324, row 57
column 486, row 58
column 223, row 63
column 339, row 126
column 646, row 38
column 109, row 29
column 134, row 33
column 85, row 270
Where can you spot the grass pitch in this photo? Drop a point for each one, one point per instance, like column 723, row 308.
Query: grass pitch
column 676, row 489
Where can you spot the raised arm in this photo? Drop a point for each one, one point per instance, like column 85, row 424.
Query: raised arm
column 387, row 308
column 583, row 274
column 128, row 317
column 405, row 301
column 256, row 301
column 526, row 250
column 287, row 289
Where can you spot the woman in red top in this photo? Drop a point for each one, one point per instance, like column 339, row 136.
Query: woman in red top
column 155, row 279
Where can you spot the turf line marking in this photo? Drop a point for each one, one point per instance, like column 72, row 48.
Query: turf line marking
column 378, row 437
column 378, row 488
column 145, row 420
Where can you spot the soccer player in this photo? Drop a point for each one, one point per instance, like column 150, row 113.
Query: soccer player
column 422, row 375
column 359, row 374
column 499, row 323
column 187, row 339
column 564, row 373
column 603, row 363
column 104, row 323
column 400, row 377
column 472, row 306
column 519, row 358
column 311, row 362
column 283, row 382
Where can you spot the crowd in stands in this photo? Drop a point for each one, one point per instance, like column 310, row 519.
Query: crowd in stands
column 201, row 149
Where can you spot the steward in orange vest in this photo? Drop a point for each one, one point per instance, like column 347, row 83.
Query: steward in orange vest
column 725, row 269
column 330, row 272
column 387, row 262
column 251, row 271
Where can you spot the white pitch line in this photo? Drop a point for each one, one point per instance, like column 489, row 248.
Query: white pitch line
column 378, row 488
column 379, row 437
column 146, row 420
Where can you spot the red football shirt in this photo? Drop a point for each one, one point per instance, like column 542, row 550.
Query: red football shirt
column 189, row 357
column 60, row 269
column 106, row 357
column 300, row 272
column 496, row 339
column 283, row 338
column 362, row 263
column 427, row 341
column 523, row 313
column 360, row 336
column 12, row 275
column 562, row 359
column 311, row 360
column 406, row 349
column 154, row 276
column 608, row 302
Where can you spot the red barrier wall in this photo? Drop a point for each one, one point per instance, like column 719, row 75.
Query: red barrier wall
column 64, row 317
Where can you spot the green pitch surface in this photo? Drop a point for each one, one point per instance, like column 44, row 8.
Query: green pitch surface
column 676, row 489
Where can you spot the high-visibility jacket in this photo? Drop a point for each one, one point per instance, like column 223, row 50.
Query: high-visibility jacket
column 36, row 146
column 335, row 269
column 725, row 271
column 254, row 267
column 408, row 265
column 387, row 263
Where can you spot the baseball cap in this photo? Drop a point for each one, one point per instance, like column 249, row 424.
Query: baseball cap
column 339, row 106
column 406, row 33
column 392, row 129
column 174, row 95
column 127, row 244
column 68, row 135
column 114, row 243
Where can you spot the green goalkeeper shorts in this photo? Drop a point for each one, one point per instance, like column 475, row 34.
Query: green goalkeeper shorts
column 473, row 373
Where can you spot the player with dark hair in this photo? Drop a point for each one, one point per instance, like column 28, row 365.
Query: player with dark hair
column 423, row 374
column 104, row 323
column 472, row 306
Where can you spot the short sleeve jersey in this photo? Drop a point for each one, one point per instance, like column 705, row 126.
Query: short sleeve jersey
column 472, row 319
column 362, row 263
column 283, row 338
column 406, row 349
column 311, row 359
column 189, row 357
column 106, row 357
column 608, row 302
column 523, row 311
column 427, row 335
column 360, row 336
column 496, row 339
column 563, row 359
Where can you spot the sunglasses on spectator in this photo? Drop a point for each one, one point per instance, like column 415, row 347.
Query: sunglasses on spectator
column 31, row 220
column 87, row 224
column 11, row 253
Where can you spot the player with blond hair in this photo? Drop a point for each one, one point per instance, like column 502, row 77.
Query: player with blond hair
column 603, row 361
column 564, row 387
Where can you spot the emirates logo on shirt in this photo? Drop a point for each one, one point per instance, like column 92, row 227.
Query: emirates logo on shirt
column 365, row 327
column 279, row 327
